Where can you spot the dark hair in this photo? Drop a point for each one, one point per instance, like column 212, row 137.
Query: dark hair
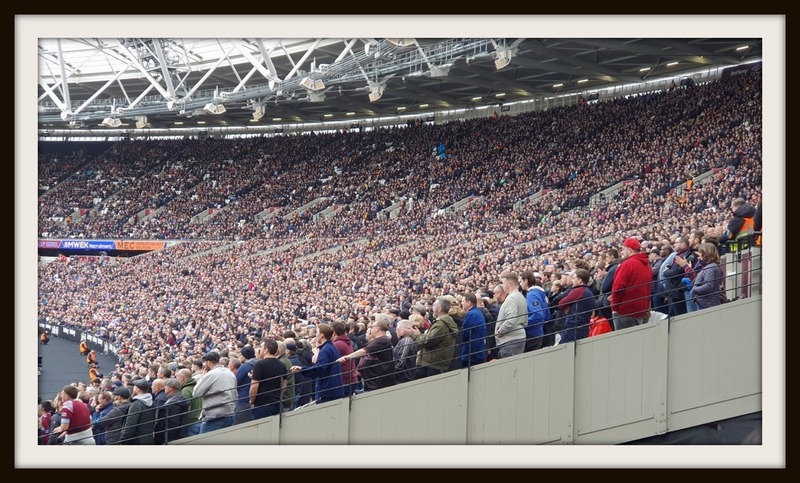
column 527, row 275
column 471, row 298
column 339, row 328
column 271, row 345
column 326, row 330
column 582, row 274
column 70, row 391
column 581, row 263
column 709, row 252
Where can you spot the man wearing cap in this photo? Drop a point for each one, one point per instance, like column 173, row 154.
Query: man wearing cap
column 217, row 389
column 112, row 422
column 248, row 358
column 141, row 420
column 630, row 293
column 175, row 411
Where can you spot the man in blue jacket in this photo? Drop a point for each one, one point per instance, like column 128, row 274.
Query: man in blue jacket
column 473, row 348
column 328, row 372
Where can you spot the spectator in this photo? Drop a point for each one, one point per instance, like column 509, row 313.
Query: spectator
column 606, row 286
column 512, row 318
column 344, row 346
column 175, row 411
column 247, row 356
column 45, row 419
column 672, row 275
column 326, row 371
column 76, row 422
column 188, row 383
column 538, row 310
column 141, row 418
column 707, row 286
column 105, row 403
column 377, row 366
column 630, row 295
column 577, row 306
column 112, row 422
column 405, row 352
column 217, row 388
column 288, row 396
column 159, row 398
column 473, row 348
column 268, row 382
column 437, row 344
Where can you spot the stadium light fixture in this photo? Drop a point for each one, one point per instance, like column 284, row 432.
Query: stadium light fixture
column 111, row 122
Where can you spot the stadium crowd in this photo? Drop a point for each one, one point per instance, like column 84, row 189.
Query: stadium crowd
column 361, row 300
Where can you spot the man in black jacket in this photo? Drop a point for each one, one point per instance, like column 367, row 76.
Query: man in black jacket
column 174, row 412
column 141, row 418
column 113, row 421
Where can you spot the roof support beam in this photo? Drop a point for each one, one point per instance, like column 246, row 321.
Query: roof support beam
column 271, row 74
column 48, row 92
column 64, row 83
column 206, row 76
column 348, row 48
column 100, row 90
column 146, row 74
column 302, row 59
column 164, row 68
column 141, row 96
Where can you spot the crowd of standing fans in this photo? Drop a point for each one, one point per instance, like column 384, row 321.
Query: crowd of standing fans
column 251, row 316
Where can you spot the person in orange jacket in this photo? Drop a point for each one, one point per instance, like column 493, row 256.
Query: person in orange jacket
column 94, row 373
column 44, row 338
column 91, row 358
column 84, row 348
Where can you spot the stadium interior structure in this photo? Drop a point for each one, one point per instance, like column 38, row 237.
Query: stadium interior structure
column 140, row 87
column 176, row 90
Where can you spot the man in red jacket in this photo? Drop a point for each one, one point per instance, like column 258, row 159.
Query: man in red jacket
column 630, row 293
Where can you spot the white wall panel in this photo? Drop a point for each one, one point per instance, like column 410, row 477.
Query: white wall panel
column 324, row 424
column 428, row 411
column 620, row 385
column 715, row 361
column 525, row 399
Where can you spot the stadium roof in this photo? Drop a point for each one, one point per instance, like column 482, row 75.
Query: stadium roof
column 117, row 82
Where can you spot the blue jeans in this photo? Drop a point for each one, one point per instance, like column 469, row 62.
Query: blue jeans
column 266, row 410
column 691, row 305
column 193, row 429
column 243, row 413
column 209, row 425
